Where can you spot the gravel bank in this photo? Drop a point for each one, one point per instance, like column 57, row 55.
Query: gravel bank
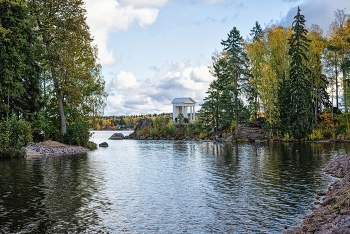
column 52, row 148
column 331, row 213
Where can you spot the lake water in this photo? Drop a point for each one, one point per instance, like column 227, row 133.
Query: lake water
column 165, row 187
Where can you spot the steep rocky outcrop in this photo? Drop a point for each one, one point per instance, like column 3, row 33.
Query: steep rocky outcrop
column 144, row 123
column 251, row 133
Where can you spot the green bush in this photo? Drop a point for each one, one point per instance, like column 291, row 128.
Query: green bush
column 154, row 132
column 91, row 145
column 77, row 133
column 160, row 125
column 170, row 129
column 344, row 124
column 15, row 135
column 315, row 135
column 43, row 128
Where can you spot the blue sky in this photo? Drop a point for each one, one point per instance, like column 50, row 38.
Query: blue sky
column 153, row 51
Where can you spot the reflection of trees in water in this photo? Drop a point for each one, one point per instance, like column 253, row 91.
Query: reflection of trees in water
column 298, row 161
column 265, row 180
column 56, row 195
column 16, row 193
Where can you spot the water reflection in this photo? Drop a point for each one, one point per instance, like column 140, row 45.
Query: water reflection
column 48, row 195
column 165, row 186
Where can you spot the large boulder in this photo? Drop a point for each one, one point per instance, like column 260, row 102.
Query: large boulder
column 117, row 136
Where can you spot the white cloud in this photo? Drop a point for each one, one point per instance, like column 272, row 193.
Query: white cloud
column 128, row 95
column 210, row 2
column 107, row 16
column 144, row 3
column 321, row 13
column 124, row 80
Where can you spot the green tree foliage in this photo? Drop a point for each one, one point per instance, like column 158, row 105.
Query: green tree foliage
column 340, row 49
column 237, row 71
column 230, row 68
column 211, row 112
column 15, row 135
column 49, row 72
column 295, row 95
column 19, row 67
column 77, row 133
column 318, row 79
column 256, row 51
column 75, row 82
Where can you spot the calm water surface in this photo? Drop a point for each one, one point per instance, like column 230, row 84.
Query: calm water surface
column 165, row 187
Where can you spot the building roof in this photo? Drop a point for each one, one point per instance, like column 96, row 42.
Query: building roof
column 186, row 100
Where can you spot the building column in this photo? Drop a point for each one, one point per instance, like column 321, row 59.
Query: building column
column 191, row 113
column 174, row 112
column 194, row 113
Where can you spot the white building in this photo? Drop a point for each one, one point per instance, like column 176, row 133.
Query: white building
column 184, row 106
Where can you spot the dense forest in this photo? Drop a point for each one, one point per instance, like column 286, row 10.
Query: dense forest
column 294, row 78
column 50, row 78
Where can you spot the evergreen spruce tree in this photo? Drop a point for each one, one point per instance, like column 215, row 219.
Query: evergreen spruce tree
column 256, row 31
column 295, row 94
column 211, row 112
column 238, row 72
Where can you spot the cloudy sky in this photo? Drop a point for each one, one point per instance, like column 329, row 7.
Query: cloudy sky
column 153, row 51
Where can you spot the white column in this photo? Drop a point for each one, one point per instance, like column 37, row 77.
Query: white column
column 174, row 112
column 194, row 113
column 191, row 113
column 183, row 110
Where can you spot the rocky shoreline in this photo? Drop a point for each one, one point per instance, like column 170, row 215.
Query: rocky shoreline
column 52, row 148
column 331, row 213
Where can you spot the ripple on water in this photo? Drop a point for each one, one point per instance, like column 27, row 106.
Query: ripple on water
column 164, row 186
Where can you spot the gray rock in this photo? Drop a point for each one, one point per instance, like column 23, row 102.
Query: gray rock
column 117, row 136
column 103, row 144
column 140, row 137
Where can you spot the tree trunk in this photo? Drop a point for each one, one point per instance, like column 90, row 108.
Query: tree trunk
column 58, row 92
column 236, row 107
column 336, row 86
column 345, row 91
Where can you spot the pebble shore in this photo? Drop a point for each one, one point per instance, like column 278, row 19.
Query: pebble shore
column 331, row 213
column 52, row 148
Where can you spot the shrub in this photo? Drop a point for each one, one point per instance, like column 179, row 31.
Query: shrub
column 170, row 129
column 315, row 135
column 43, row 128
column 91, row 145
column 77, row 133
column 145, row 131
column 203, row 135
column 344, row 123
column 15, row 134
column 154, row 132
column 180, row 118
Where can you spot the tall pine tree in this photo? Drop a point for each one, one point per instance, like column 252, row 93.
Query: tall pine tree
column 237, row 69
column 296, row 93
